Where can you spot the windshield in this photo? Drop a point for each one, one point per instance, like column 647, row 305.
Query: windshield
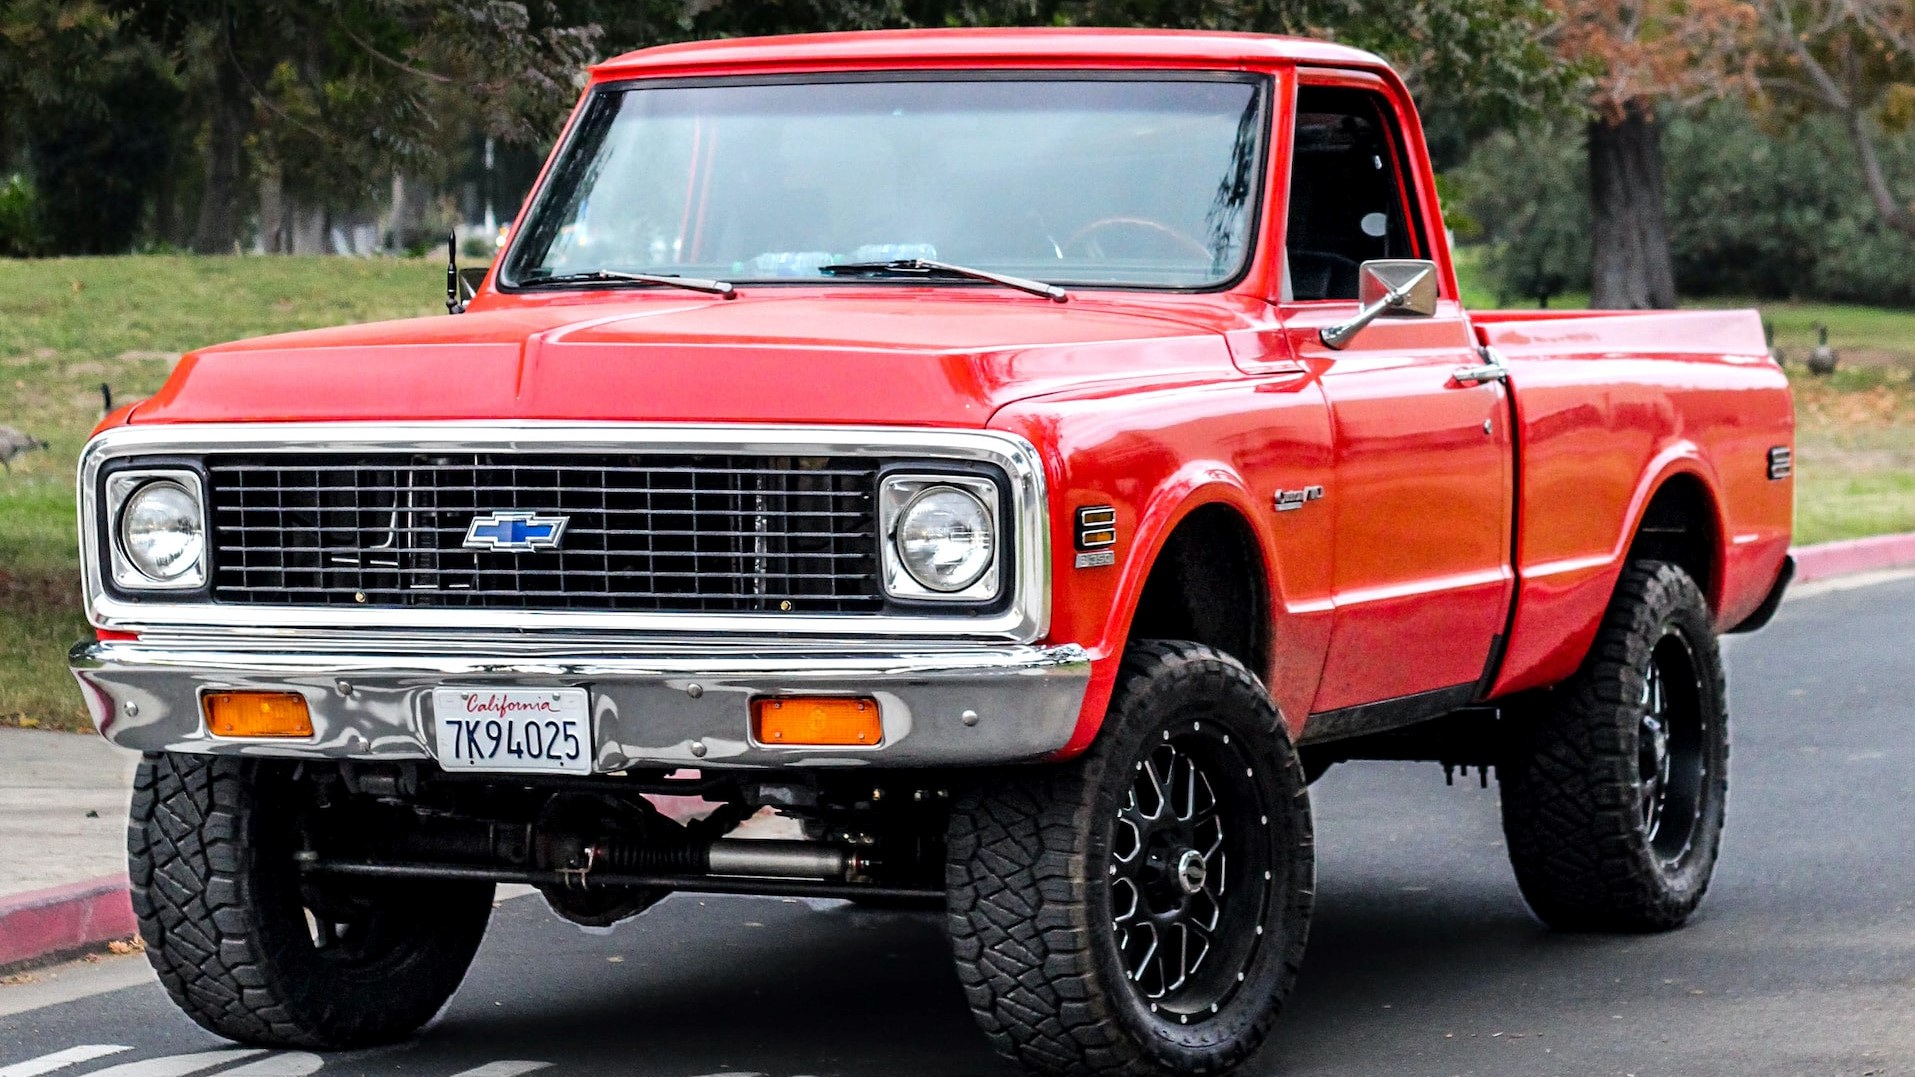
column 1137, row 182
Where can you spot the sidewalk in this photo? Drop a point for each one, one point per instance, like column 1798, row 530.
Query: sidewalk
column 62, row 843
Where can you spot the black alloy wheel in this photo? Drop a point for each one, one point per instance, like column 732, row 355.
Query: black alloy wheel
column 1671, row 765
column 1143, row 908
column 1189, row 883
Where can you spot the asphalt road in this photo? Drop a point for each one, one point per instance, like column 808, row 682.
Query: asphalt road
column 1423, row 960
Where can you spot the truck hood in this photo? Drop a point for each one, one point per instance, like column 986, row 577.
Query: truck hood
column 922, row 357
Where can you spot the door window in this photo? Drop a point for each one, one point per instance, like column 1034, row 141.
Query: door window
column 1347, row 193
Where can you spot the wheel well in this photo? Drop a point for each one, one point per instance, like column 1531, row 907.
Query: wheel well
column 1208, row 586
column 1680, row 527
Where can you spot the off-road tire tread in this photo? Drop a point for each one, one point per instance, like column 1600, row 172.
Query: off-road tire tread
column 1568, row 787
column 191, row 867
column 1018, row 909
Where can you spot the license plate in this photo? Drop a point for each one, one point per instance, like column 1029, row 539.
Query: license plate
column 514, row 729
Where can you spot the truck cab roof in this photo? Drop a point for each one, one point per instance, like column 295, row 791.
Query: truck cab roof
column 1035, row 46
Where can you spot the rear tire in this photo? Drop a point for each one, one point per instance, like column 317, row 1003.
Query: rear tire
column 1142, row 908
column 1614, row 791
column 256, row 953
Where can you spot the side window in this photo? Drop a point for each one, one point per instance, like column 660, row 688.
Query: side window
column 1347, row 202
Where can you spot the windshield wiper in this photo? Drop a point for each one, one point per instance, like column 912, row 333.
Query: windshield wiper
column 924, row 267
column 613, row 276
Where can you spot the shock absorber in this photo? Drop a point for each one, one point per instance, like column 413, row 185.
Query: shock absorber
column 727, row 856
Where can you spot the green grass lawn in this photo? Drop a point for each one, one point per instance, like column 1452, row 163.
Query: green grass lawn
column 68, row 325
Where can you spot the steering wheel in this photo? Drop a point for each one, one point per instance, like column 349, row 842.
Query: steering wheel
column 1087, row 237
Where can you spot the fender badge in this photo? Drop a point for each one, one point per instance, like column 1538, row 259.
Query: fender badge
column 1292, row 500
column 1096, row 536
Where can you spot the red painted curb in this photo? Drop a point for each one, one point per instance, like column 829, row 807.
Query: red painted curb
column 41, row 923
column 1825, row 559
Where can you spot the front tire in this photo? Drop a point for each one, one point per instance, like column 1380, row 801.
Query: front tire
column 1142, row 908
column 256, row 953
column 1614, row 792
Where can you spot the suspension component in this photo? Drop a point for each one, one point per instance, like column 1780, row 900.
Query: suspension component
column 728, row 856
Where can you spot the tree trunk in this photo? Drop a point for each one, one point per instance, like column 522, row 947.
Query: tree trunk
column 272, row 213
column 1633, row 269
column 218, row 229
column 305, row 228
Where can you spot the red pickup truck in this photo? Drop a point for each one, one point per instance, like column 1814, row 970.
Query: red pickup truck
column 1014, row 463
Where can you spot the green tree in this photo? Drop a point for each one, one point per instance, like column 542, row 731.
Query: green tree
column 1488, row 59
column 328, row 95
column 323, row 101
column 1853, row 60
column 88, row 106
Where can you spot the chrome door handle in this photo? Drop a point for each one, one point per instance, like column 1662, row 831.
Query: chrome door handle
column 1477, row 375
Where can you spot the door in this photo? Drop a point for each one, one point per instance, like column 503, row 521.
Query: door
column 1420, row 491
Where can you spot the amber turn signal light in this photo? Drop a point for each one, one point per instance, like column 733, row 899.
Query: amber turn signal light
column 816, row 720
column 257, row 714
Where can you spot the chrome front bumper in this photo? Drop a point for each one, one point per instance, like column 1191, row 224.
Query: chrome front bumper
column 985, row 703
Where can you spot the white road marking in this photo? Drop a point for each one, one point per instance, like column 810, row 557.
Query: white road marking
column 177, row 1065
column 504, row 1069
column 290, row 1064
column 60, row 1060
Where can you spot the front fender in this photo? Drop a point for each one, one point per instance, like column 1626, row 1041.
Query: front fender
column 1156, row 458
column 1198, row 485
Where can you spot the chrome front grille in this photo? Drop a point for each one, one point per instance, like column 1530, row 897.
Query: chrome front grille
column 650, row 532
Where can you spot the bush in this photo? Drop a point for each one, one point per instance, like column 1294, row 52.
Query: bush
column 1526, row 197
column 19, row 219
column 1781, row 211
column 1864, row 262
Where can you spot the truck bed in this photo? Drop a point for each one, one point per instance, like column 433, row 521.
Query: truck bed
column 1610, row 405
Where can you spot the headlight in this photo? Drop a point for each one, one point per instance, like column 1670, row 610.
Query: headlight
column 944, row 539
column 159, row 530
column 941, row 538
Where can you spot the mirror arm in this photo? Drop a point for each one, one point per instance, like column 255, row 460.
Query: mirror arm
column 455, row 303
column 1338, row 337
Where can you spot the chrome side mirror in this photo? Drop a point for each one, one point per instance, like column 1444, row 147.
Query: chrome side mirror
column 1391, row 288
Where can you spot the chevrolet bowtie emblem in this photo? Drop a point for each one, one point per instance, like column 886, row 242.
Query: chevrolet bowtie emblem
column 515, row 532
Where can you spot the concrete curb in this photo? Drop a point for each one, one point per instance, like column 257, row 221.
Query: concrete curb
column 45, row 923
column 1826, row 559
column 41, row 924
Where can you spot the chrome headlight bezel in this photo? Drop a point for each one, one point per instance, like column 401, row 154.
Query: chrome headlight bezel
column 898, row 491
column 120, row 488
